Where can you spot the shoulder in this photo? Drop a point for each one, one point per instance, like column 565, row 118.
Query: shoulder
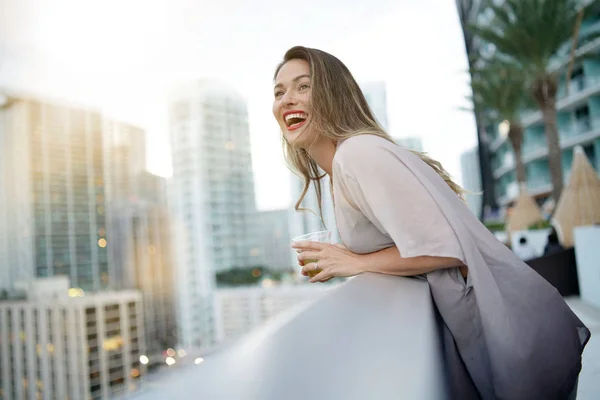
column 361, row 152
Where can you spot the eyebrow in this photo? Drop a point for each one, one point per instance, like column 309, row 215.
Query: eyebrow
column 296, row 79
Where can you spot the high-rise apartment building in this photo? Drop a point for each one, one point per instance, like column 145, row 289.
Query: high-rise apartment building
column 63, row 172
column 52, row 194
column 578, row 118
column 61, row 343
column 212, row 199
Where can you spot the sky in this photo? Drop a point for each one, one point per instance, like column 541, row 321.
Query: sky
column 124, row 56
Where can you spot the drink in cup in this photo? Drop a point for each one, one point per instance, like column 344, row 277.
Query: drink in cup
column 321, row 237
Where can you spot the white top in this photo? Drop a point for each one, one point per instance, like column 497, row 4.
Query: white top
column 380, row 203
column 505, row 321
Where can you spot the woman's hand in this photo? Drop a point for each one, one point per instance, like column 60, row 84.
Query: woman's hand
column 334, row 260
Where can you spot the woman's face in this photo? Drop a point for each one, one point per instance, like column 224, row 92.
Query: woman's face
column 291, row 105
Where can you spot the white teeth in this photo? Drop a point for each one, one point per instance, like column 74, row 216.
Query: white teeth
column 297, row 115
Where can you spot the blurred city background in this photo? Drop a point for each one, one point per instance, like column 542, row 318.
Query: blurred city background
column 146, row 213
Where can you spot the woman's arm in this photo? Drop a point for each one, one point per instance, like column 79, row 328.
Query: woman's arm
column 389, row 261
column 337, row 261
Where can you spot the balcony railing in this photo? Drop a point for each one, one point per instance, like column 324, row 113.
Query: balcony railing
column 506, row 165
column 537, row 184
column 373, row 337
column 579, row 88
column 576, row 133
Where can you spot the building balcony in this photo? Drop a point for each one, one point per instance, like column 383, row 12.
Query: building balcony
column 578, row 133
column 497, row 142
column 539, row 186
column 579, row 91
column 507, row 165
column 535, row 187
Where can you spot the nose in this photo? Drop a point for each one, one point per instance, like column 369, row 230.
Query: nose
column 288, row 98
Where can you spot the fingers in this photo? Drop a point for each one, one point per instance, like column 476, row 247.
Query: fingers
column 308, row 255
column 310, row 267
column 306, row 246
column 324, row 275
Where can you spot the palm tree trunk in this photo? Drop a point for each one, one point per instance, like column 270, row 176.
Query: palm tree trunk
column 515, row 134
column 544, row 92
column 554, row 151
column 485, row 168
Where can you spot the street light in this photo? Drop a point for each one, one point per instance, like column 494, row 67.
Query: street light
column 144, row 359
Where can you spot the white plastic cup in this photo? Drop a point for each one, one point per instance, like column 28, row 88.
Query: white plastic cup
column 321, row 237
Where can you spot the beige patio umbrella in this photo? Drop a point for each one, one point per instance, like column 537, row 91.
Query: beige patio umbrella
column 525, row 213
column 579, row 202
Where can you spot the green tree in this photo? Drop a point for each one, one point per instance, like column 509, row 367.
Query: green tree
column 499, row 88
column 531, row 33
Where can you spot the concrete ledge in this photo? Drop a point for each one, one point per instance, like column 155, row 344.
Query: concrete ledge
column 374, row 337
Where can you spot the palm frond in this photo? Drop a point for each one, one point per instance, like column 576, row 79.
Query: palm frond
column 530, row 31
column 501, row 86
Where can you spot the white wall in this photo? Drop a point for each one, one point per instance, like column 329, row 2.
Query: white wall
column 587, row 253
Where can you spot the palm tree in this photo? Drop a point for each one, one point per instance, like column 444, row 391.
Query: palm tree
column 499, row 88
column 531, row 32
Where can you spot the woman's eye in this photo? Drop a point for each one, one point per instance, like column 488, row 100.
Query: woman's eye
column 304, row 86
column 278, row 94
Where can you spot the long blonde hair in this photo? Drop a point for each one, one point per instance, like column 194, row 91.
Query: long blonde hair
column 339, row 111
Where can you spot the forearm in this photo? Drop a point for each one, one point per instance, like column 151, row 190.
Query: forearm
column 389, row 261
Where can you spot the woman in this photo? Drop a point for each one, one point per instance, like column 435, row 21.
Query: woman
column 399, row 213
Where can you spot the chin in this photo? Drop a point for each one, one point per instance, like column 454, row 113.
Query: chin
column 301, row 139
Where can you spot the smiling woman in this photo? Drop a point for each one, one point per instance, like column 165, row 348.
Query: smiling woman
column 399, row 213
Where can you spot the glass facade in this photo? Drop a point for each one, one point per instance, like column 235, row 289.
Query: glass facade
column 68, row 194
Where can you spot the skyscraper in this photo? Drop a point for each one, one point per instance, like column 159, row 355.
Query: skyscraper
column 212, row 198
column 52, row 194
column 376, row 95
